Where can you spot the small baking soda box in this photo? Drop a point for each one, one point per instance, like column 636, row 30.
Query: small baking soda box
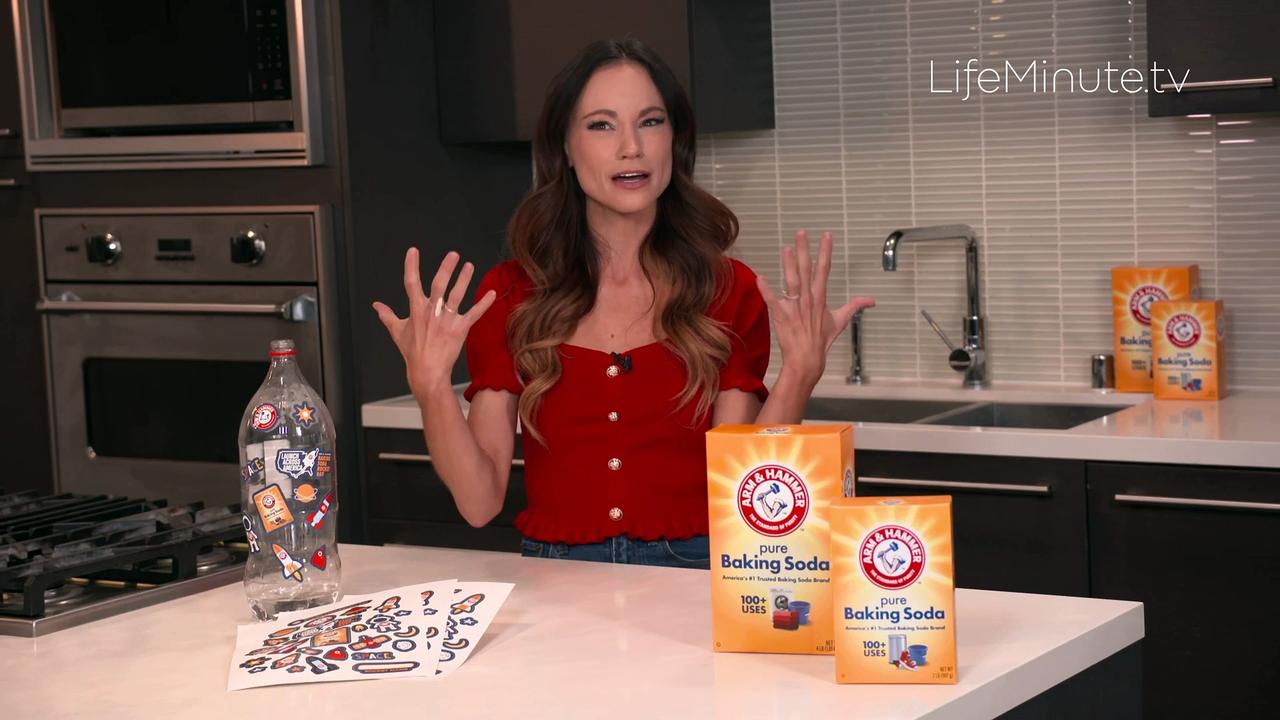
column 1133, row 290
column 1187, row 349
column 769, row 489
column 894, row 590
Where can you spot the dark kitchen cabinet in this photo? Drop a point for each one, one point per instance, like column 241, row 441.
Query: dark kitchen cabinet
column 495, row 58
column 1018, row 523
column 408, row 503
column 24, row 426
column 10, row 105
column 1227, row 46
column 1199, row 548
column 406, row 186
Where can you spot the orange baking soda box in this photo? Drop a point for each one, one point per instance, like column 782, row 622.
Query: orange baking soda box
column 893, row 584
column 1133, row 290
column 769, row 491
column 1187, row 344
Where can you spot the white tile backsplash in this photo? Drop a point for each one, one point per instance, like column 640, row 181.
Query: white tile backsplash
column 1060, row 186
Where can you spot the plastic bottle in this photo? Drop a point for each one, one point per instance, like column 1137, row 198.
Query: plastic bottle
column 289, row 492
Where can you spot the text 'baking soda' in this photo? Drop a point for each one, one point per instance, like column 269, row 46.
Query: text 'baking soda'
column 1133, row 290
column 1187, row 346
column 893, row 588
column 769, row 492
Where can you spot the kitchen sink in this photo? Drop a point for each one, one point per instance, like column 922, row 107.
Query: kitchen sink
column 1018, row 415
column 876, row 410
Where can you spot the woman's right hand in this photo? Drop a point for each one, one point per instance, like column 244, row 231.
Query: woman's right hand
column 431, row 338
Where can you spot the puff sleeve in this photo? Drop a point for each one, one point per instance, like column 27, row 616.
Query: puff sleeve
column 489, row 359
column 747, row 317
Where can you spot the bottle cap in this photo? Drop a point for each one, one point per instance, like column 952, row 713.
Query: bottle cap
column 282, row 348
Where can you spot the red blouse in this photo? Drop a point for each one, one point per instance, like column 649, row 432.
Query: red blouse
column 619, row 458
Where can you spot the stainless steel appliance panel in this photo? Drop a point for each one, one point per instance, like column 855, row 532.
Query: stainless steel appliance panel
column 162, row 385
column 152, row 248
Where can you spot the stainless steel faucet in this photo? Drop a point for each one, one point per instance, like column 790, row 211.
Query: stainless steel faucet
column 971, row 358
column 856, row 375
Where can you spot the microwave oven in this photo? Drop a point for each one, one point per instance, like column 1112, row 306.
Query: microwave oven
column 184, row 65
column 170, row 83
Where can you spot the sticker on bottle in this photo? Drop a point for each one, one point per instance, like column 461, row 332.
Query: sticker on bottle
column 324, row 464
column 272, row 508
column 290, row 568
column 305, row 493
column 304, row 414
column 249, row 534
column 316, row 518
column 264, row 417
column 252, row 468
column 300, row 462
column 319, row 559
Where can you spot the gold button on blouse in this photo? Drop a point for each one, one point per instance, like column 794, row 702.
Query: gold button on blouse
column 615, row 514
column 615, row 464
column 613, row 416
column 612, row 371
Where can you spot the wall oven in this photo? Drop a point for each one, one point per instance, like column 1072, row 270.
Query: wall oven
column 165, row 83
column 157, row 324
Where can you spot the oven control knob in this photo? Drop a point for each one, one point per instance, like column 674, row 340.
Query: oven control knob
column 104, row 249
column 248, row 248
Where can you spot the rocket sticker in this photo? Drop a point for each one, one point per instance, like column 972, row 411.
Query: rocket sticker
column 467, row 605
column 315, row 518
column 291, row 568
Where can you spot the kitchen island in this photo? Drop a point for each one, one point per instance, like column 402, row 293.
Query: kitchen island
column 585, row 640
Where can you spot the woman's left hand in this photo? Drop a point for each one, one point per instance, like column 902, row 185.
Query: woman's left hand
column 805, row 327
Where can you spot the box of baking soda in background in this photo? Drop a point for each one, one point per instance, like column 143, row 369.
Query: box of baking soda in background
column 1133, row 290
column 769, row 489
column 1187, row 349
column 893, row 585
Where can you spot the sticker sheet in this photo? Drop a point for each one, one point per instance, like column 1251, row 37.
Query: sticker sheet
column 472, row 608
column 422, row 630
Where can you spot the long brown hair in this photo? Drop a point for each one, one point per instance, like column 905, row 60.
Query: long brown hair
column 682, row 256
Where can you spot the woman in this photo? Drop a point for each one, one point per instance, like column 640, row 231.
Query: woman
column 618, row 335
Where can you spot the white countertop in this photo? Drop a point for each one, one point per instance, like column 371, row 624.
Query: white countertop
column 1241, row 430
column 575, row 639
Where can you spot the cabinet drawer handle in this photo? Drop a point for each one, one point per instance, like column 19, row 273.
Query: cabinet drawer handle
column 8, row 183
column 7, row 132
column 1197, row 503
column 423, row 458
column 956, row 485
column 1220, row 84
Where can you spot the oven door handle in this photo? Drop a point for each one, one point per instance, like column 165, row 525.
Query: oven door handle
column 299, row 309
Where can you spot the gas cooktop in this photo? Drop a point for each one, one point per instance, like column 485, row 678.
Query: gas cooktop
column 69, row 559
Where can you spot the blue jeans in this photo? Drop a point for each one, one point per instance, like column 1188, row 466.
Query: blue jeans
column 691, row 553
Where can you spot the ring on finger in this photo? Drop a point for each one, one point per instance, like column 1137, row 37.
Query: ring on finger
column 790, row 296
column 441, row 307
